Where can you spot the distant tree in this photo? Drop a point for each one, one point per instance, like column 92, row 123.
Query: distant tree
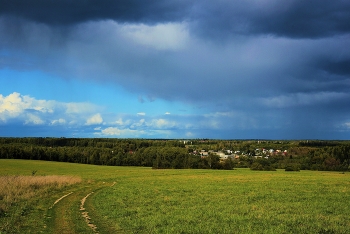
column 227, row 164
column 214, row 161
column 262, row 164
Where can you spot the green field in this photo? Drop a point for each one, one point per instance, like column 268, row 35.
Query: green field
column 143, row 200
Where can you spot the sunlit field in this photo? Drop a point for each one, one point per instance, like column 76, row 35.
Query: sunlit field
column 143, row 200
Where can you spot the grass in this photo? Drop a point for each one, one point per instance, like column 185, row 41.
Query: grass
column 195, row 201
column 240, row 201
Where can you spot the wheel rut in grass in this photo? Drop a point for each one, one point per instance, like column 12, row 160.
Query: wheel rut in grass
column 59, row 199
column 68, row 214
column 85, row 214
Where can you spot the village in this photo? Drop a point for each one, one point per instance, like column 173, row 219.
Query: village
column 225, row 154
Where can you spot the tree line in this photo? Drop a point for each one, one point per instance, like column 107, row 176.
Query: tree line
column 178, row 154
column 158, row 154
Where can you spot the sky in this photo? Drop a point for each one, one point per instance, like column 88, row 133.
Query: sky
column 218, row 69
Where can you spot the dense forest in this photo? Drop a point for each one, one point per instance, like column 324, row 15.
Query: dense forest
column 196, row 153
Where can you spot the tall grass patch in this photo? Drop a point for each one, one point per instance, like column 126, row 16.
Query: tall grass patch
column 19, row 194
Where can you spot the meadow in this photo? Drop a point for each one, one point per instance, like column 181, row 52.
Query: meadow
column 145, row 200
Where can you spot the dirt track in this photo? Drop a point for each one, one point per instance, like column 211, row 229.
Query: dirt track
column 68, row 213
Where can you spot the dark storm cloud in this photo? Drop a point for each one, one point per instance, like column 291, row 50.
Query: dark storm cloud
column 340, row 67
column 66, row 12
column 283, row 65
column 295, row 19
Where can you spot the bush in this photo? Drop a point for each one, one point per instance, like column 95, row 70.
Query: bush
column 292, row 167
column 262, row 165
column 256, row 166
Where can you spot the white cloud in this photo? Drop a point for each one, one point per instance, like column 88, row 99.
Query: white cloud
column 11, row 106
column 28, row 110
column 119, row 121
column 16, row 105
column 141, row 114
column 347, row 125
column 138, row 124
column 73, row 122
column 161, row 123
column 44, row 106
column 79, row 107
column 33, row 119
column 189, row 135
column 221, row 114
column 113, row 131
column 167, row 113
column 95, row 119
column 58, row 121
